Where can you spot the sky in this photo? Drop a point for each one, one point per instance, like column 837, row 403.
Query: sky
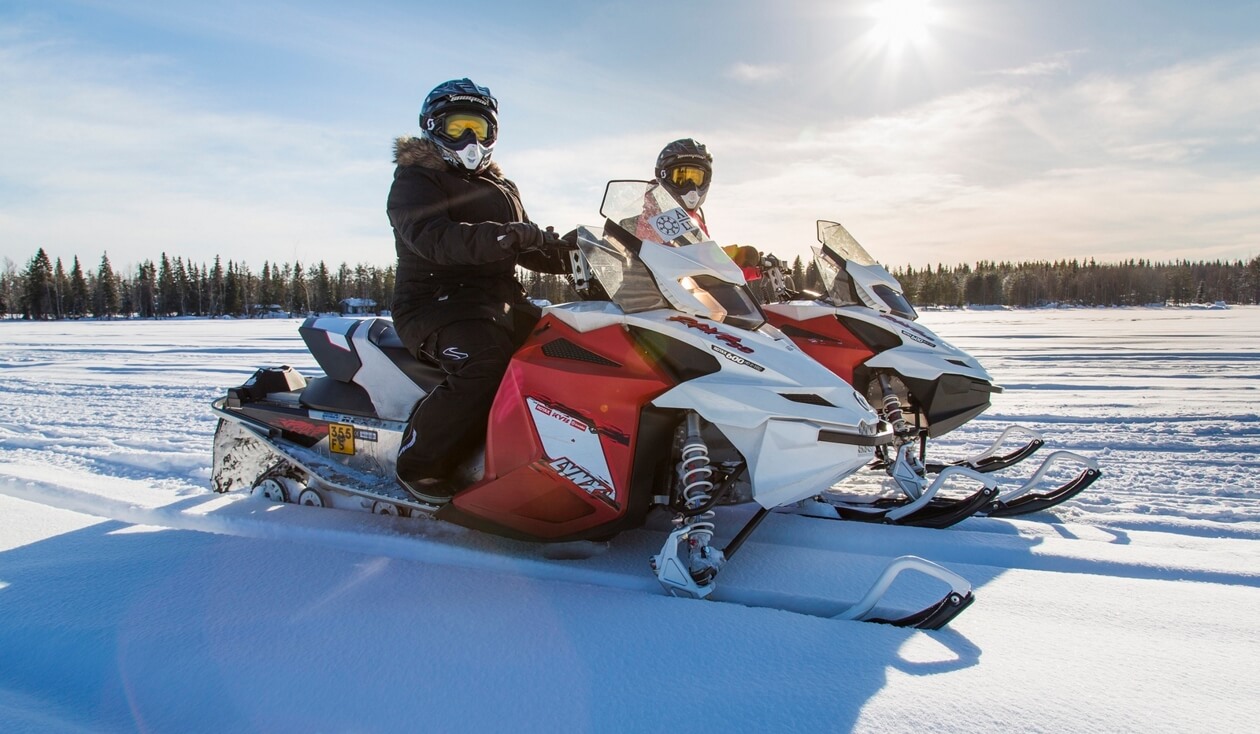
column 937, row 131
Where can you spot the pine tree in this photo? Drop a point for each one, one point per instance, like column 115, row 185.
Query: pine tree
column 106, row 301
column 168, row 290
column 798, row 274
column 61, row 289
column 39, row 300
column 300, row 301
column 78, row 291
column 216, row 288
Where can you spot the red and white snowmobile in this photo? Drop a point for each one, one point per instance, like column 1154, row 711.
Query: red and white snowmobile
column 663, row 390
column 864, row 330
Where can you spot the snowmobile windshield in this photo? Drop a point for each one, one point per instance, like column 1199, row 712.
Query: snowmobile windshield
column 648, row 211
column 852, row 277
column 618, row 269
column 835, row 237
column 651, row 254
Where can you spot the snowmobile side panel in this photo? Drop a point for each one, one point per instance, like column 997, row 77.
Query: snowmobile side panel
column 563, row 432
column 826, row 340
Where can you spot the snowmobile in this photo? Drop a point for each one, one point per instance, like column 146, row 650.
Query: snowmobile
column 662, row 389
column 865, row 330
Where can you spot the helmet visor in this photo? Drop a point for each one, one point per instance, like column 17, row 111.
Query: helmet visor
column 456, row 124
column 682, row 175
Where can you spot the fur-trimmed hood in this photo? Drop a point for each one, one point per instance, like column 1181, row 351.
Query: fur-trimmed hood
column 412, row 151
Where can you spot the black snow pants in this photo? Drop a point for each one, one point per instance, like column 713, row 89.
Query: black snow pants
column 449, row 424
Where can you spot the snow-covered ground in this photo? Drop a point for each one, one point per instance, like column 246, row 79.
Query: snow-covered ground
column 134, row 599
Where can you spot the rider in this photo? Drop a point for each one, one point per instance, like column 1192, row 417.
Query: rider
column 685, row 169
column 460, row 231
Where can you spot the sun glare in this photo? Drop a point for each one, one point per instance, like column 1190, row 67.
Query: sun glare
column 900, row 23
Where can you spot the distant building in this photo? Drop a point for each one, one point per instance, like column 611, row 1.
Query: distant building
column 357, row 306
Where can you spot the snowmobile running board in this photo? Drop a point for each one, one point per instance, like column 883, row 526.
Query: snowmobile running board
column 324, row 472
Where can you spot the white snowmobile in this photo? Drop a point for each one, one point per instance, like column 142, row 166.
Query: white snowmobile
column 864, row 330
column 665, row 389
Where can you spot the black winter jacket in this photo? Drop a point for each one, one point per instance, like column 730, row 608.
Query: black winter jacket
column 451, row 266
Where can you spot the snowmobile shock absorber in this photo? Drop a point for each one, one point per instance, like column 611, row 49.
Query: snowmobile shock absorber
column 693, row 526
column 892, row 407
column 694, row 472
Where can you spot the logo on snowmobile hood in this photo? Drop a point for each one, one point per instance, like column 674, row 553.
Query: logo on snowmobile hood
column 911, row 331
column 729, row 340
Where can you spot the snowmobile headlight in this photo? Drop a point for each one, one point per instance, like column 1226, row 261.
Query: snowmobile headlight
column 727, row 303
column 716, row 312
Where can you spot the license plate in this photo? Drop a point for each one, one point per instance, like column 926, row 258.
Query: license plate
column 341, row 438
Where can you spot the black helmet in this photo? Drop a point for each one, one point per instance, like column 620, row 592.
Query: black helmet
column 462, row 120
column 684, row 168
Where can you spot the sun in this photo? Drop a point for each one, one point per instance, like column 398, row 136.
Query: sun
column 901, row 23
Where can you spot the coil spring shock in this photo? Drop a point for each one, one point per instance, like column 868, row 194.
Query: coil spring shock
column 694, row 475
column 892, row 407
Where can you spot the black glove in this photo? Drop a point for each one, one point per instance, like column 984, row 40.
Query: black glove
column 521, row 237
column 553, row 242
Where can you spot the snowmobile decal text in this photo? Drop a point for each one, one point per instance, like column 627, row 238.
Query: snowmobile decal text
column 910, row 330
column 729, row 340
column 919, row 339
column 736, row 358
column 581, row 477
column 357, row 421
column 563, row 414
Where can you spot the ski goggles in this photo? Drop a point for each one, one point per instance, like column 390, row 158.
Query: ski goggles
column 683, row 175
column 456, row 124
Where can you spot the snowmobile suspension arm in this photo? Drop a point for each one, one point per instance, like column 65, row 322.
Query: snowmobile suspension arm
column 744, row 532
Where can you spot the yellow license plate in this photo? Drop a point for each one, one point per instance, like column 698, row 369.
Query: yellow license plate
column 341, row 438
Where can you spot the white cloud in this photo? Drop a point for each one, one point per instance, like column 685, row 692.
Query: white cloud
column 1151, row 165
column 101, row 156
column 757, row 73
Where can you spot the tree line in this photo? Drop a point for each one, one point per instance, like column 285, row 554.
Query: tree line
column 173, row 287
column 1069, row 282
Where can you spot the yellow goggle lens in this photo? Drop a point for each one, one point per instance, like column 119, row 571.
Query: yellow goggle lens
column 683, row 175
column 458, row 123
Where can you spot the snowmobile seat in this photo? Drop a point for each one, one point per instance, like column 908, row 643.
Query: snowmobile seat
column 325, row 393
column 427, row 375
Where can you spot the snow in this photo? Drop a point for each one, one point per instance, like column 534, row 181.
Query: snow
column 132, row 598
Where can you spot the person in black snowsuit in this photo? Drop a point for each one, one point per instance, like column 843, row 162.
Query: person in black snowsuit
column 460, row 231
